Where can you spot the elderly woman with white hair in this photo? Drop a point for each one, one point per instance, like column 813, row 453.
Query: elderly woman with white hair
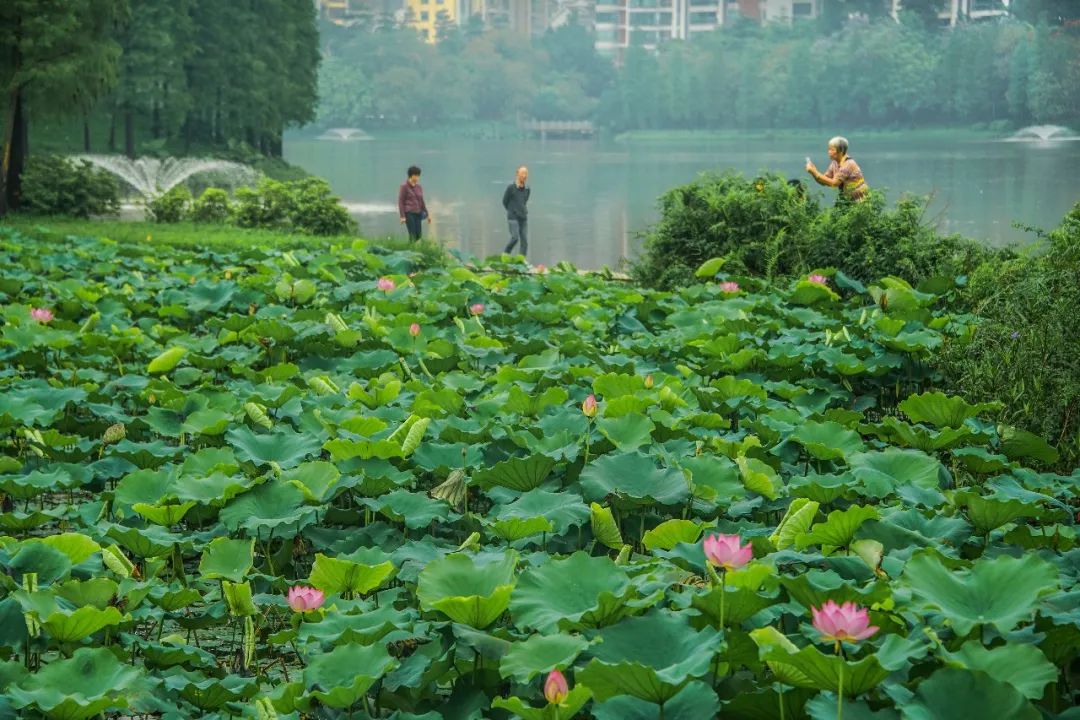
column 843, row 173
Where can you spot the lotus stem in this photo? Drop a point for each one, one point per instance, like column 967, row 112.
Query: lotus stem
column 840, row 688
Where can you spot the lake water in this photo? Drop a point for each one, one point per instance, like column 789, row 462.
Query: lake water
column 592, row 199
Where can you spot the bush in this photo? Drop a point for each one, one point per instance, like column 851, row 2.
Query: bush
column 54, row 185
column 768, row 227
column 170, row 207
column 316, row 211
column 213, row 206
column 1024, row 346
column 304, row 206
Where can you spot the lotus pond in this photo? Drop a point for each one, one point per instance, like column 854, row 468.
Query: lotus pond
column 334, row 482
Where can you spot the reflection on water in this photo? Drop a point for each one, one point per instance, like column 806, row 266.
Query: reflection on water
column 592, row 199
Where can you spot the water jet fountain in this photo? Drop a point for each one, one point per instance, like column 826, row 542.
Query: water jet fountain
column 344, row 134
column 1043, row 134
column 150, row 176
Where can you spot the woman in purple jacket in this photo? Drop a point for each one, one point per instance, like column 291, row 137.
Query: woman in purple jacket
column 411, row 206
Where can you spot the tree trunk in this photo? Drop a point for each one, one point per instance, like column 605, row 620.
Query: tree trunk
column 112, row 132
column 129, row 133
column 16, row 135
column 86, row 134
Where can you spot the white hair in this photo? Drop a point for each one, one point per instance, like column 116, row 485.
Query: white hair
column 840, row 143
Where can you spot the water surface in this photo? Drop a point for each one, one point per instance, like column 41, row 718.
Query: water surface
column 592, row 199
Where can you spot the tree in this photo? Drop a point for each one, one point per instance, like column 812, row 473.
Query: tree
column 56, row 57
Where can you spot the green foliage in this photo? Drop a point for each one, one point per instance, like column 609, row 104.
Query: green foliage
column 213, row 206
column 766, row 227
column 1022, row 347
column 55, row 185
column 304, row 206
column 466, row 540
column 170, row 207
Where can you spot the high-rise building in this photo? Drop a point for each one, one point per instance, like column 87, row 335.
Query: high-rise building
column 356, row 12
column 956, row 11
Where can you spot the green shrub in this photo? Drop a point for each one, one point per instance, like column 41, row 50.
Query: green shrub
column 304, row 206
column 768, row 227
column 55, row 185
column 316, row 211
column 213, row 206
column 170, row 207
column 1025, row 346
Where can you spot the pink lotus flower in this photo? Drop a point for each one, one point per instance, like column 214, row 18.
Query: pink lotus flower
column 385, row 284
column 302, row 599
column 588, row 408
column 724, row 551
column 414, row 329
column 847, row 622
column 819, row 279
column 42, row 315
column 541, row 268
column 729, row 287
column 477, row 309
column 555, row 687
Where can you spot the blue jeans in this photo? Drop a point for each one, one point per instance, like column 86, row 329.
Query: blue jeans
column 519, row 230
column 414, row 223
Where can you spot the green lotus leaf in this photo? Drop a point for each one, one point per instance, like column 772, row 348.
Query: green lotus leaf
column 839, row 528
column 340, row 576
column 171, row 600
column 796, row 521
column 413, row 509
column 828, row 440
column 739, row 603
column 953, row 693
column 575, row 700
column 604, row 528
column 227, row 559
column 628, row 660
column 910, row 529
column 81, row 623
column 759, row 477
column 238, row 598
column 150, row 542
column 518, row 473
column 564, row 509
column 270, row 505
column 17, row 522
column 941, row 410
column 209, row 693
column 670, row 533
column 715, row 478
column 978, row 460
column 710, row 267
column 48, row 563
column 1017, row 443
column 610, row 386
column 76, row 546
column 165, row 515
column 695, row 700
column 166, row 361
column 539, row 654
column 531, row 404
column 95, row 592
column 814, row 587
column 29, row 486
column 883, row 472
column 1001, row 592
column 811, row 293
column 633, row 477
column 214, row 488
column 77, row 688
column 365, row 628
column 1024, row 667
column 920, row 437
column 571, row 591
column 468, row 593
column 628, row 432
column 810, row 668
column 342, row 449
column 514, row 529
column 285, row 447
column 989, row 513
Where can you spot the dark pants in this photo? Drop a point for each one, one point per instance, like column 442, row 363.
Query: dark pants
column 414, row 223
column 519, row 230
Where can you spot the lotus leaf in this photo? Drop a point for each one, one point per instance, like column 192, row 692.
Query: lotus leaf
column 540, row 654
column 954, row 693
column 78, row 688
column 635, row 477
column 575, row 700
column 339, row 576
column 227, row 559
column 467, row 592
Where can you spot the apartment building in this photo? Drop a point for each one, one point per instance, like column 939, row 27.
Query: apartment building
column 955, row 11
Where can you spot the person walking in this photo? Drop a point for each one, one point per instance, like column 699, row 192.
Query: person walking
column 517, row 215
column 843, row 173
column 411, row 206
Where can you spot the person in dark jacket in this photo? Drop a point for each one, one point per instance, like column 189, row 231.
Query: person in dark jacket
column 517, row 215
column 411, row 206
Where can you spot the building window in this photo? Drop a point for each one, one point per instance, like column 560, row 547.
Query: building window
column 802, row 9
column 424, row 16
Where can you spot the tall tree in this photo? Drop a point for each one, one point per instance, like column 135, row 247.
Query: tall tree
column 56, row 57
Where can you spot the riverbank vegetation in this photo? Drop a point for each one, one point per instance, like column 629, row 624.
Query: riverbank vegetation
column 1019, row 305
column 256, row 482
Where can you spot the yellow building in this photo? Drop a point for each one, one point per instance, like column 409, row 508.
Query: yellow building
column 424, row 15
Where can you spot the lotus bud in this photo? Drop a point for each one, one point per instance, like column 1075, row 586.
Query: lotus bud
column 729, row 288
column 819, row 279
column 477, row 309
column 648, row 381
column 302, row 598
column 42, row 315
column 114, row 434
column 555, row 687
column 414, row 329
column 588, row 408
column 385, row 284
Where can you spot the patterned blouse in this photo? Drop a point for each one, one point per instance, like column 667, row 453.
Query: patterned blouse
column 852, row 182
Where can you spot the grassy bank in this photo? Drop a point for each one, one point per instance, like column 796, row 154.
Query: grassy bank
column 977, row 132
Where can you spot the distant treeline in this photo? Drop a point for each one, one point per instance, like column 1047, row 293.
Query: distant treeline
column 182, row 75
column 869, row 72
